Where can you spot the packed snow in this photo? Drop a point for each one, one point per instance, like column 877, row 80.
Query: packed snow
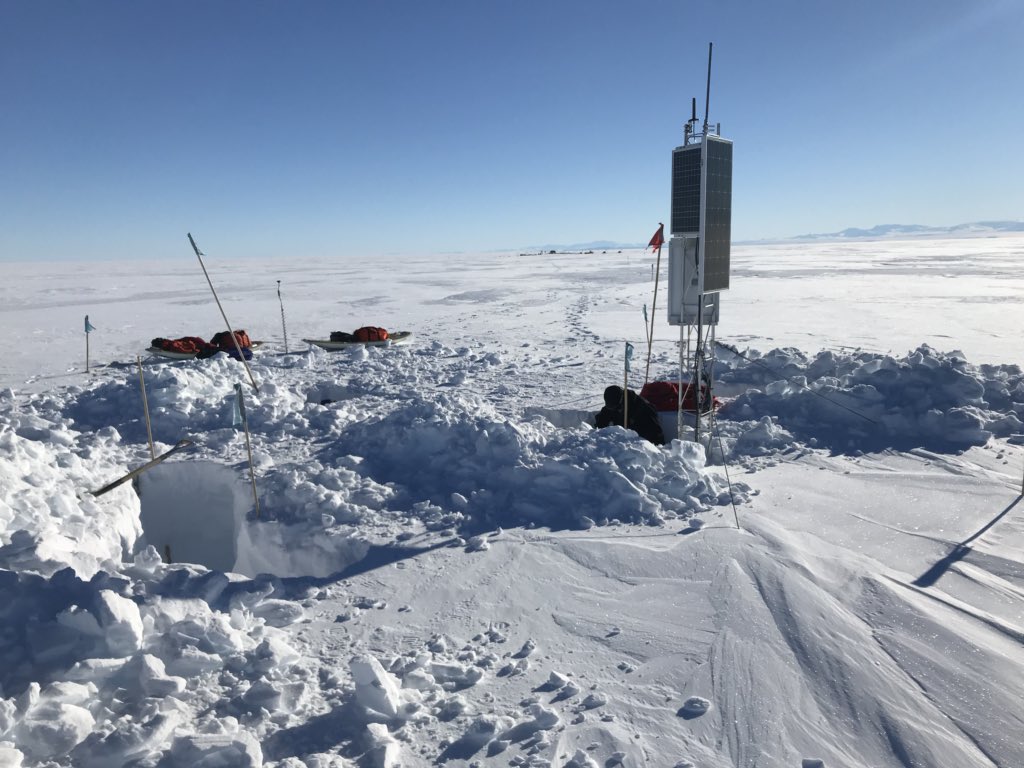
column 448, row 564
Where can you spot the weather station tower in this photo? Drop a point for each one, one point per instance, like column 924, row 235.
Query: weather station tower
column 700, row 236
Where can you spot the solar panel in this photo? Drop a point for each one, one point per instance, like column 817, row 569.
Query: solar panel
column 717, row 234
column 686, row 189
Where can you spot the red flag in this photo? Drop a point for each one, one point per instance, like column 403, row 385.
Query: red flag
column 658, row 239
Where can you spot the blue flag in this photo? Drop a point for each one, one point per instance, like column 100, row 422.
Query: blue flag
column 236, row 409
column 645, row 313
column 88, row 325
column 629, row 355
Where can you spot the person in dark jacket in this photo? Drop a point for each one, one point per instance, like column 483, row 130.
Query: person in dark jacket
column 643, row 419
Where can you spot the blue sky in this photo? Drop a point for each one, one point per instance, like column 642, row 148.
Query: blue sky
column 317, row 129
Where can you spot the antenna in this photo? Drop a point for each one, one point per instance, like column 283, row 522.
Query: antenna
column 707, row 96
column 691, row 125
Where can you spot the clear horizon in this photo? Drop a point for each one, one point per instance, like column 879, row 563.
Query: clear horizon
column 333, row 129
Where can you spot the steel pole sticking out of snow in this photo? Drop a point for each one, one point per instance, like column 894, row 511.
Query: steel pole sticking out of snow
column 145, row 408
column 238, row 348
column 647, row 335
column 625, row 389
column 684, row 353
column 698, row 366
column 284, row 328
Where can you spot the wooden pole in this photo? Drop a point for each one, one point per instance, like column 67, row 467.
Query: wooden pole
column 145, row 409
column 238, row 348
column 654, row 306
column 179, row 446
column 248, row 446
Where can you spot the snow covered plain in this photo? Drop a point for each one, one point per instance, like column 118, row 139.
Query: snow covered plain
column 451, row 567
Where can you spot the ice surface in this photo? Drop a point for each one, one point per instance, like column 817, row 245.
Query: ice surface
column 451, row 565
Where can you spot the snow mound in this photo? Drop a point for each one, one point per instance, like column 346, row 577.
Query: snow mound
column 859, row 402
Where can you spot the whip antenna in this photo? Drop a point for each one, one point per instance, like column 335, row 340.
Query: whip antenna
column 707, row 94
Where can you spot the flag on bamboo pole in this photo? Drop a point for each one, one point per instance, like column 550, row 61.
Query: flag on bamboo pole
column 645, row 314
column 88, row 326
column 629, row 355
column 658, row 239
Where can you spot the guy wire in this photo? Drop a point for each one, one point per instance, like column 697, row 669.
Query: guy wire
column 776, row 373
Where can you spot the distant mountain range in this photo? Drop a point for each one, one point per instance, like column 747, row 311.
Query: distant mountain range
column 915, row 230
column 878, row 231
column 596, row 245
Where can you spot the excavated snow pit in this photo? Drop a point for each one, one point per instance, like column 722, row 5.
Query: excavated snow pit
column 197, row 512
column 192, row 511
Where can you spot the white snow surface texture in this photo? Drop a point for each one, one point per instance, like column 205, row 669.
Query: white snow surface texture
column 450, row 566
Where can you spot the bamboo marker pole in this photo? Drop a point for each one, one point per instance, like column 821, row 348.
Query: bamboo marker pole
column 238, row 348
column 145, row 408
column 248, row 446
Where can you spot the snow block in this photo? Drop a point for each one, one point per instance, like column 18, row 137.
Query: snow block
column 128, row 742
column 238, row 750
column 146, row 673
column 120, row 621
column 10, row 757
column 375, row 688
column 695, row 706
column 51, row 729
column 385, row 752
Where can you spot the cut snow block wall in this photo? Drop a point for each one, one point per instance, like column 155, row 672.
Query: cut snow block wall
column 669, row 421
column 669, row 424
column 562, row 418
column 196, row 509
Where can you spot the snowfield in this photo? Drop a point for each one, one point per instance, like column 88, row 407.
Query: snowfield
column 450, row 565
